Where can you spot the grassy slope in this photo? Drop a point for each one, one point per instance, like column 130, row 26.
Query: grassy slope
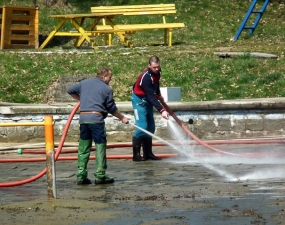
column 189, row 64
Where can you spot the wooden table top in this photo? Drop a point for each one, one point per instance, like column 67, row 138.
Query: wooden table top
column 87, row 15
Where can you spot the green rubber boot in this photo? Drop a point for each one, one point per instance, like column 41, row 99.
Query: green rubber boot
column 83, row 159
column 101, row 165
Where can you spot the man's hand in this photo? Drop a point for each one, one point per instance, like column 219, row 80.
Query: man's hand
column 121, row 117
column 164, row 115
column 125, row 120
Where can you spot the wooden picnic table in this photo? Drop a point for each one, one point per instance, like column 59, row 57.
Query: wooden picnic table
column 82, row 34
column 156, row 11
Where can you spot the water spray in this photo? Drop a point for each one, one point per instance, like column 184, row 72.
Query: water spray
column 230, row 177
column 178, row 121
column 158, row 138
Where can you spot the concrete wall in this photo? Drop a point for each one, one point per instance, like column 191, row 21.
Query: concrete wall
column 239, row 119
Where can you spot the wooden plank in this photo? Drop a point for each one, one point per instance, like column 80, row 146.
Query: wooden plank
column 22, row 37
column 9, row 7
column 12, row 17
column 36, row 23
column 99, row 32
column 25, row 13
column 142, row 26
column 1, row 12
column 164, row 12
column 134, row 6
column 2, row 29
column 132, row 10
column 137, row 13
column 78, row 16
column 75, row 34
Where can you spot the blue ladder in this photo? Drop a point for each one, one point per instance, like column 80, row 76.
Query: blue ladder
column 249, row 12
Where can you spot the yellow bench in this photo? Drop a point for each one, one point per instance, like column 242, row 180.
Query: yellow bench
column 138, row 10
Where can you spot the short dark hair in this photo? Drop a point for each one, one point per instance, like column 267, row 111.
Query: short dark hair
column 103, row 71
column 154, row 59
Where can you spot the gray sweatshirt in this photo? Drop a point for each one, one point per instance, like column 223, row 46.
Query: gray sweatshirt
column 95, row 95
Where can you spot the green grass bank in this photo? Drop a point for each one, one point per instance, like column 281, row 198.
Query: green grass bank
column 26, row 75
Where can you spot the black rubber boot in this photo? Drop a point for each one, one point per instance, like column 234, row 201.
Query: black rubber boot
column 137, row 142
column 147, row 149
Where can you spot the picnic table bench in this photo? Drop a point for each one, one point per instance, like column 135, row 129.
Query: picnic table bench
column 139, row 10
column 110, row 27
column 81, row 33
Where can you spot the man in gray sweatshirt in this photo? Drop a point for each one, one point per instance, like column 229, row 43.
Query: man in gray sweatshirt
column 96, row 101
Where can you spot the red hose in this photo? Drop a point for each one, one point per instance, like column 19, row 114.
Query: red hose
column 17, row 183
column 168, row 155
column 126, row 145
column 75, row 158
column 205, row 144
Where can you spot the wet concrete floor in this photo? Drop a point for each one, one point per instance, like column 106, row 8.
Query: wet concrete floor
column 198, row 187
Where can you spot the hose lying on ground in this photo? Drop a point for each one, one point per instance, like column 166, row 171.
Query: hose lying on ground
column 61, row 143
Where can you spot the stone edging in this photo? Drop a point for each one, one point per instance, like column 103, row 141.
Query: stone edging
column 226, row 119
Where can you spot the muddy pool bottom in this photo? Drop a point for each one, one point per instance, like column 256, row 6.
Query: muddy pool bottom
column 171, row 191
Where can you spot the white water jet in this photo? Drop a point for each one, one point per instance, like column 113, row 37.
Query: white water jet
column 188, row 152
column 225, row 174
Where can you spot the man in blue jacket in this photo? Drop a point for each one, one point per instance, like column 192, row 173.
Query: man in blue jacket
column 96, row 101
column 146, row 95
